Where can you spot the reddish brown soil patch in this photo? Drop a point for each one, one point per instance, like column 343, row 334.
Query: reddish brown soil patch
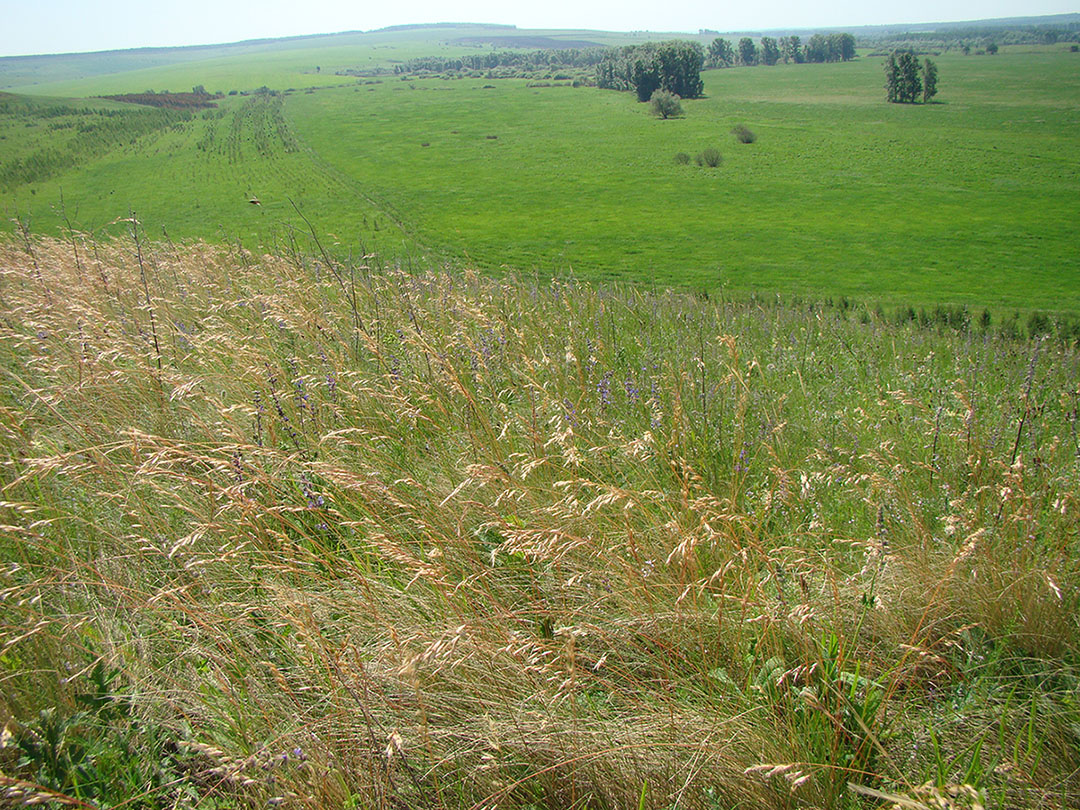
column 172, row 101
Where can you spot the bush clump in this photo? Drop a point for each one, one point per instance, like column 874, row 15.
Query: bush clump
column 710, row 157
column 682, row 158
column 665, row 104
column 743, row 134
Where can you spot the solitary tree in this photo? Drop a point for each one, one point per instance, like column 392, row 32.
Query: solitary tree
column 665, row 104
column 747, row 51
column 929, row 80
column 992, row 48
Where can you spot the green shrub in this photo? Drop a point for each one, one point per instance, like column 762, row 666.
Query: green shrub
column 682, row 158
column 743, row 134
column 710, row 157
column 665, row 104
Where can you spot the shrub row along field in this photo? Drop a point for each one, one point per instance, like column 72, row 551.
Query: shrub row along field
column 286, row 532
column 968, row 201
column 46, row 138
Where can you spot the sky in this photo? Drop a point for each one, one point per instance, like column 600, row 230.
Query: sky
column 61, row 26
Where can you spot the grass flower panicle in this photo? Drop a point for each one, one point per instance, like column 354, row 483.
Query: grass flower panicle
column 522, row 545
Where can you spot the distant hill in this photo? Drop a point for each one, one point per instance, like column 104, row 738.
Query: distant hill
column 525, row 41
column 1067, row 21
column 1063, row 20
column 21, row 71
column 17, row 70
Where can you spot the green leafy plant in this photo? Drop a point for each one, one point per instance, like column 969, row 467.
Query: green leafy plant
column 100, row 753
column 665, row 104
column 710, row 157
column 743, row 134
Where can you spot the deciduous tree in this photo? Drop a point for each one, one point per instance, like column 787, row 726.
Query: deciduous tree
column 847, row 47
column 817, row 49
column 721, row 53
column 770, row 52
column 903, row 84
column 929, row 80
column 674, row 66
column 645, row 76
column 747, row 51
column 791, row 49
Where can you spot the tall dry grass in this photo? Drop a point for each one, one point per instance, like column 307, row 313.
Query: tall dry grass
column 283, row 531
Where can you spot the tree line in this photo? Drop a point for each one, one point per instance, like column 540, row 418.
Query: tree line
column 966, row 37
column 93, row 133
column 791, row 49
column 674, row 66
column 548, row 58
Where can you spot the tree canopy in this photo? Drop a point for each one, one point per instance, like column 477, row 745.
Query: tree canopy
column 747, row 52
column 721, row 53
column 929, row 81
column 791, row 49
column 770, row 51
column 906, row 80
column 830, row 48
column 674, row 66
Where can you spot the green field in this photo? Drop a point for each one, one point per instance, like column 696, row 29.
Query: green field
column 969, row 201
column 447, row 444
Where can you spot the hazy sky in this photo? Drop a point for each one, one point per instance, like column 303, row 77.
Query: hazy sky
column 57, row 26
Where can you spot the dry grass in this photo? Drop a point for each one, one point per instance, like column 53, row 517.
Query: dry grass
column 352, row 537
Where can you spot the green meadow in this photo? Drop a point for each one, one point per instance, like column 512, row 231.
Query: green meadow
column 372, row 442
column 968, row 201
column 965, row 201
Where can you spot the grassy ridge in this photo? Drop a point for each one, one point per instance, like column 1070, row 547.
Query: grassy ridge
column 276, row 63
column 335, row 536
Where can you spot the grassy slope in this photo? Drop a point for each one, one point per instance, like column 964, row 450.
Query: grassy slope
column 197, row 177
column 440, row 541
column 972, row 200
column 278, row 64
